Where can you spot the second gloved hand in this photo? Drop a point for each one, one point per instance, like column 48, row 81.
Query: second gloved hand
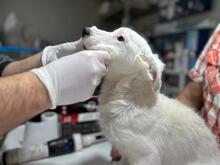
column 52, row 53
column 73, row 78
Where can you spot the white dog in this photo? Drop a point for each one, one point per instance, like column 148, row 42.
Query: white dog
column 147, row 127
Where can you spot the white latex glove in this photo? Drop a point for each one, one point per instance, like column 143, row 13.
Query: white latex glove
column 52, row 53
column 73, row 78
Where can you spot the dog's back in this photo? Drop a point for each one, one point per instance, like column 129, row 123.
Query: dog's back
column 170, row 132
column 188, row 138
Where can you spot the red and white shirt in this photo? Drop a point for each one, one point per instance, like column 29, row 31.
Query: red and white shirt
column 207, row 71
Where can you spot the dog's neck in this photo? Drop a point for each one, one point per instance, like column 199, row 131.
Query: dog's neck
column 134, row 88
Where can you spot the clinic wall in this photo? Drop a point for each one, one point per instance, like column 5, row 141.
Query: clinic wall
column 55, row 20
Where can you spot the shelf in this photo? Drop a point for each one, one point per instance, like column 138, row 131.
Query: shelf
column 117, row 13
column 176, row 10
column 175, row 72
column 181, row 26
column 12, row 49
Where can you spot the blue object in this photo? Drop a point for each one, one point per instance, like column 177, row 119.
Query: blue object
column 192, row 38
column 11, row 49
column 192, row 61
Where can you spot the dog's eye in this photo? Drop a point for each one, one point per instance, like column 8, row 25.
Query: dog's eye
column 120, row 38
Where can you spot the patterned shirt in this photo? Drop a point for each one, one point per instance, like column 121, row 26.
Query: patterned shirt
column 207, row 71
column 4, row 61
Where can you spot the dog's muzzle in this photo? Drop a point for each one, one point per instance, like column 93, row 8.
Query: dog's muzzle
column 86, row 32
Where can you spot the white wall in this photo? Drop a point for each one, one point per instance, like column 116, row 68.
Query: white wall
column 55, row 20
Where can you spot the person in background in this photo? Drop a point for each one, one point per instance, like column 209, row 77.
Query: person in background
column 60, row 75
column 203, row 92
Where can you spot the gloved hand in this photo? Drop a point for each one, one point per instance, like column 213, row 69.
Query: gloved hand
column 52, row 53
column 73, row 78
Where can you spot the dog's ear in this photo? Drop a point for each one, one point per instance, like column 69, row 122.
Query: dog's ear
column 153, row 69
column 156, row 69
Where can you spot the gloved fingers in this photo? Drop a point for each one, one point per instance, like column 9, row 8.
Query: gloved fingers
column 96, row 82
column 98, row 71
column 104, row 57
column 103, row 69
column 69, row 48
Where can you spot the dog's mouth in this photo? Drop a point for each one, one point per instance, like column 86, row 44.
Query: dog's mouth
column 87, row 46
column 84, row 47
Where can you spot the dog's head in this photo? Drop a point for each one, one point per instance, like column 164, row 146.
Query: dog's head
column 129, row 51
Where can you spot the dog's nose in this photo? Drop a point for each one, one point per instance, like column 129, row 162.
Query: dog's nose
column 86, row 32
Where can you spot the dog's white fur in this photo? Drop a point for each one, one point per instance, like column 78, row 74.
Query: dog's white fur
column 147, row 127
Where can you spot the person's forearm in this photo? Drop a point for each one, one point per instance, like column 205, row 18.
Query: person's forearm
column 22, row 97
column 23, row 65
column 192, row 95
